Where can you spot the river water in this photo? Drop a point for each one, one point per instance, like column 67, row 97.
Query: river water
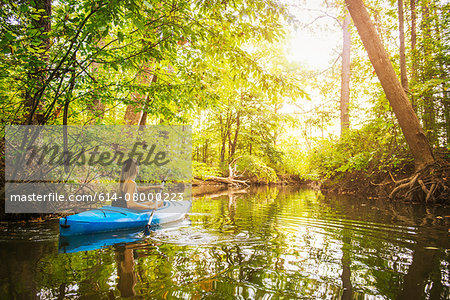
column 265, row 244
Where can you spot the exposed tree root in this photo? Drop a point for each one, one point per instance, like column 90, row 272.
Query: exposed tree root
column 399, row 185
column 430, row 185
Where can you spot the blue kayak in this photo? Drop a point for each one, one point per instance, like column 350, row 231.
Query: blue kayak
column 110, row 218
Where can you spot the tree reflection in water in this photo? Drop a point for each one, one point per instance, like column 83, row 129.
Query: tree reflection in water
column 269, row 243
column 347, row 287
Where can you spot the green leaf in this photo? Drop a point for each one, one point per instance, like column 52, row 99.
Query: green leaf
column 120, row 36
column 9, row 36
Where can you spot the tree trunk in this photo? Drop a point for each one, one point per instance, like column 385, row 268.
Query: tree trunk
column 429, row 118
column 65, row 118
column 205, row 151
column 251, row 142
column 275, row 131
column 229, row 141
column 132, row 116
column 44, row 23
column 96, row 106
column 33, row 104
column 447, row 119
column 401, row 106
column 401, row 32
column 345, row 75
column 134, row 113
column 413, row 48
column 236, row 133
column 143, row 119
column 224, row 128
column 444, row 100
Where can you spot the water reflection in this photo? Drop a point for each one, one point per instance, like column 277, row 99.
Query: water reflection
column 346, row 274
column 125, row 270
column 269, row 243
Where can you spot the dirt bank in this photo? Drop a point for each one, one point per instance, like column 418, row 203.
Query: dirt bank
column 430, row 185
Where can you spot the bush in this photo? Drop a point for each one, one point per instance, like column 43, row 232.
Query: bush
column 256, row 170
column 202, row 170
column 295, row 161
column 374, row 147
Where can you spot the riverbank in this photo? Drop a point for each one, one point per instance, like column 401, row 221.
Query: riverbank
column 200, row 188
column 401, row 183
column 431, row 185
column 375, row 185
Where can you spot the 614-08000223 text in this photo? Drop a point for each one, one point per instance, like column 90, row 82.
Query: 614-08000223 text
column 55, row 197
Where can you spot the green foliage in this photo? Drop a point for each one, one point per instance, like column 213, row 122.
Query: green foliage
column 254, row 168
column 203, row 171
column 295, row 160
column 376, row 146
column 222, row 67
column 93, row 56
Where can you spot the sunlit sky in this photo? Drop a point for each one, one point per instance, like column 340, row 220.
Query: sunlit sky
column 315, row 44
column 314, row 50
column 317, row 39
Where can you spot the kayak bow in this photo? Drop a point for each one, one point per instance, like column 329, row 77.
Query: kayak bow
column 110, row 218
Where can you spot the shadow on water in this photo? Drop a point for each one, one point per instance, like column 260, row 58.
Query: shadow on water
column 265, row 243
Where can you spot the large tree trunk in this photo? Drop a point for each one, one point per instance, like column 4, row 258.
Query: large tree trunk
column 413, row 48
column 401, row 106
column 401, row 32
column 345, row 75
column 96, row 107
column 43, row 23
column 447, row 119
column 134, row 113
column 33, row 104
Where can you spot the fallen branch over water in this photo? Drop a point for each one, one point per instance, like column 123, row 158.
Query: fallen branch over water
column 231, row 179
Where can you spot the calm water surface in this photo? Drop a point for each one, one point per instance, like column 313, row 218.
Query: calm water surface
column 265, row 244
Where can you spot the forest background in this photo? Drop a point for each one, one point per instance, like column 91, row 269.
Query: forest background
column 234, row 71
